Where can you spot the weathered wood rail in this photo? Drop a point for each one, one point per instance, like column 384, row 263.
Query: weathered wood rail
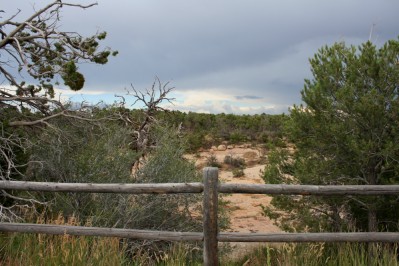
column 210, row 235
column 176, row 188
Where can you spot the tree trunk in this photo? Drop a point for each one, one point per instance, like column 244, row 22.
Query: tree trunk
column 372, row 208
column 372, row 220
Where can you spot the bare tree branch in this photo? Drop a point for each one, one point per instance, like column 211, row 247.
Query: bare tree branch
column 151, row 99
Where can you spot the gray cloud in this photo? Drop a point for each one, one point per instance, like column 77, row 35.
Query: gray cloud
column 251, row 47
column 248, row 97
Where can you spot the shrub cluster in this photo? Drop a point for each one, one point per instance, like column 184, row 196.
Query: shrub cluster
column 234, row 161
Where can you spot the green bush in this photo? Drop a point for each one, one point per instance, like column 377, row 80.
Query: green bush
column 85, row 154
column 102, row 155
column 237, row 137
column 173, row 212
column 234, row 161
column 238, row 172
column 195, row 141
column 212, row 161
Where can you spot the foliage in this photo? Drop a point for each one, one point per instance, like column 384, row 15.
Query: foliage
column 165, row 164
column 71, row 77
column 84, row 153
column 237, row 163
column 36, row 46
column 234, row 161
column 238, row 172
column 101, row 146
column 205, row 130
column 100, row 154
column 346, row 134
column 212, row 161
column 236, row 137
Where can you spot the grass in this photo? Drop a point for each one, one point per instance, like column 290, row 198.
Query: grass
column 40, row 249
column 315, row 254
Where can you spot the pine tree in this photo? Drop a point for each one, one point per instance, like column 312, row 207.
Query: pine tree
column 346, row 133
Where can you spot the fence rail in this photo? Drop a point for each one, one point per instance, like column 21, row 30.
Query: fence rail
column 164, row 188
column 196, row 236
column 210, row 235
column 175, row 188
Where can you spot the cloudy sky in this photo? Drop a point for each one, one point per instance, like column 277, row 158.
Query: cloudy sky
column 223, row 55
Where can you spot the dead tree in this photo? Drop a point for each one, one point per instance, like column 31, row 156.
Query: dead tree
column 151, row 99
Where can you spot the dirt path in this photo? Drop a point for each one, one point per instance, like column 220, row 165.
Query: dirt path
column 244, row 209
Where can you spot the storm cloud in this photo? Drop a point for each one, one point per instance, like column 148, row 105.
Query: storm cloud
column 222, row 56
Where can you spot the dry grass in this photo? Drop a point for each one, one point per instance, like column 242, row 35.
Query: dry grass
column 41, row 249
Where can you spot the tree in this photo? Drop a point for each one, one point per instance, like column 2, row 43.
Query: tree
column 36, row 48
column 347, row 133
column 144, row 120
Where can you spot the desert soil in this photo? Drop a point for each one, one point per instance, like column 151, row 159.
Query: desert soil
column 245, row 210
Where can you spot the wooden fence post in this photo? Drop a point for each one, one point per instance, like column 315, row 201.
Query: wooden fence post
column 210, row 215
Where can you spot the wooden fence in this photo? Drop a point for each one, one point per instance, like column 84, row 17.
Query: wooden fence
column 210, row 235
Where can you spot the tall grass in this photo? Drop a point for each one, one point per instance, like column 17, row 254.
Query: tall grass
column 41, row 249
column 315, row 254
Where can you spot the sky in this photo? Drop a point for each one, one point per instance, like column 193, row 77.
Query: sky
column 221, row 56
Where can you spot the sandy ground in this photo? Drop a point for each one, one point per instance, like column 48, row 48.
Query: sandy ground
column 245, row 210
